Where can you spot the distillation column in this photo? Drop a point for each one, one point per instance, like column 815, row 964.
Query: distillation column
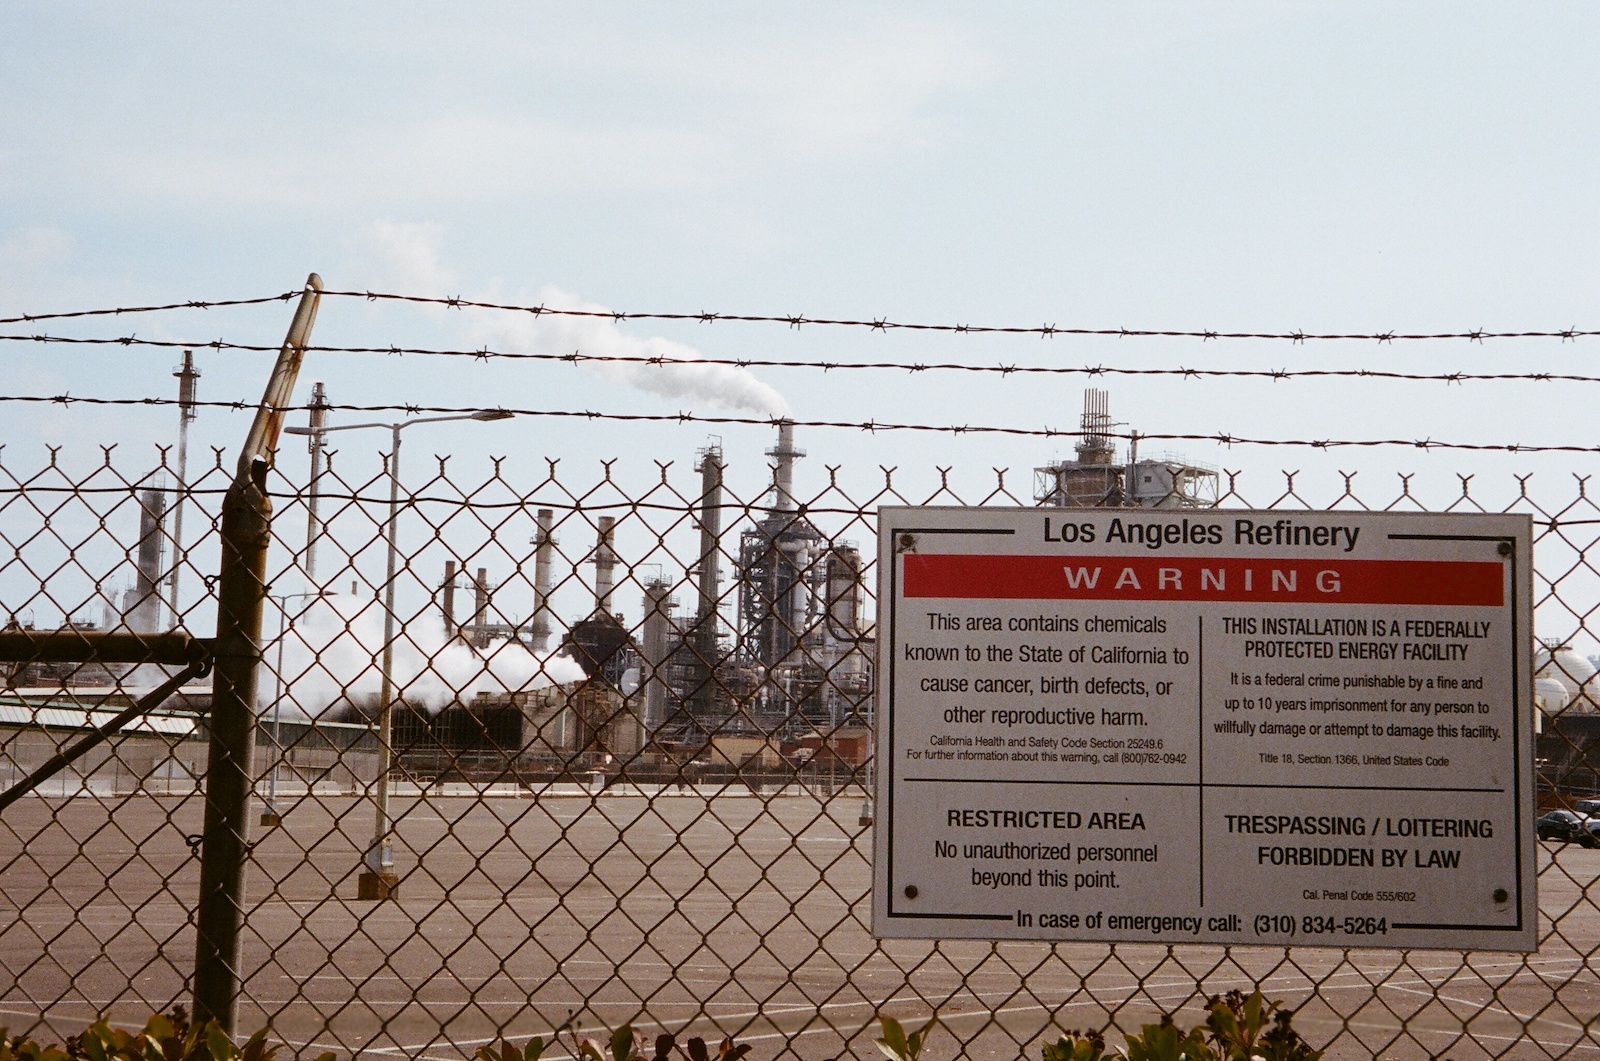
column 657, row 645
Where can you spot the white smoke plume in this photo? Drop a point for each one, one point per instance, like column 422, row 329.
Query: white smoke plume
column 408, row 256
column 333, row 655
column 680, row 373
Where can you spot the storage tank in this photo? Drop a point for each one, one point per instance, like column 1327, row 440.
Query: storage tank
column 1560, row 663
column 1549, row 700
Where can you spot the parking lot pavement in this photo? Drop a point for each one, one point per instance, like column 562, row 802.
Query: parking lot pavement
column 689, row 912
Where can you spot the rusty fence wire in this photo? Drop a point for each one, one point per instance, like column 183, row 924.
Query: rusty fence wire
column 539, row 744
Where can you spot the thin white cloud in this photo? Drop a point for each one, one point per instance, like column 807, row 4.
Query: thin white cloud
column 822, row 97
column 849, row 93
column 26, row 254
column 34, row 247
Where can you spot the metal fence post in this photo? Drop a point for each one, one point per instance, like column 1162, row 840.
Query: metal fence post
column 246, row 534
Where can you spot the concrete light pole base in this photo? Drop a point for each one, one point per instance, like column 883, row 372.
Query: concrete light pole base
column 377, row 885
column 271, row 820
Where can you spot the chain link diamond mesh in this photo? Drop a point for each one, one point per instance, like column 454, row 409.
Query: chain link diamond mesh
column 630, row 767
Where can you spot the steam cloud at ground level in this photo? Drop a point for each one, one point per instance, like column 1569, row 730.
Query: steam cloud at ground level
column 333, row 659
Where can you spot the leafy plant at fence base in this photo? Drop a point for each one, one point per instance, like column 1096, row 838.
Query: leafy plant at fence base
column 1237, row 1027
column 1164, row 1042
column 164, row 1037
column 507, row 1052
column 1077, row 1046
column 626, row 1044
column 726, row 1051
column 1237, row 1021
column 897, row 1045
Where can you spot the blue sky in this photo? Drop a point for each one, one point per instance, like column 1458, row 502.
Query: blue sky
column 1231, row 166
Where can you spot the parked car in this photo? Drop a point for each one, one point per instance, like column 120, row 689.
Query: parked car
column 1568, row 827
column 1587, row 807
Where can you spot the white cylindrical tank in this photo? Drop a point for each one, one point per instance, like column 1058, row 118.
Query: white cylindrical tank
column 655, row 650
column 1550, row 695
column 1560, row 663
column 1549, row 700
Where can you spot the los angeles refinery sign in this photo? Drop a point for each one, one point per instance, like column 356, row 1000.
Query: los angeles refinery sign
column 1233, row 727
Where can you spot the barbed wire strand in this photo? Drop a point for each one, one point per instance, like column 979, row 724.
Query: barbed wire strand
column 886, row 325
column 121, row 310
column 578, row 357
column 870, row 426
column 881, row 324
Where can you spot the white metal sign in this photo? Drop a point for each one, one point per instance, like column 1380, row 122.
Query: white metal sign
column 1307, row 728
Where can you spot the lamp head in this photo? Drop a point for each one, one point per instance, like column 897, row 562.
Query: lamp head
column 492, row 414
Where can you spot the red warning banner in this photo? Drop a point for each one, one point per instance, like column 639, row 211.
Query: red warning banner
column 969, row 576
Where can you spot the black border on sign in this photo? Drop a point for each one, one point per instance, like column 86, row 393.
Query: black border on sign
column 1516, row 731
column 894, row 611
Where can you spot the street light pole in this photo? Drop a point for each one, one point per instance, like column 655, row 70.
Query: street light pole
column 378, row 880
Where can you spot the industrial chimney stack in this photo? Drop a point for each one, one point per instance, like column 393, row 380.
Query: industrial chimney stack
column 544, row 541
column 479, row 631
column 317, row 442
column 447, row 603
column 784, row 455
column 605, row 565
column 709, row 574
column 187, row 376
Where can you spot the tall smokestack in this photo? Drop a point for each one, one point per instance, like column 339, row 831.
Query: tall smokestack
column 480, row 608
column 143, row 610
column 316, row 442
column 448, row 603
column 709, row 574
column 655, row 648
column 544, row 541
column 710, row 538
column 784, row 455
column 605, row 564
column 187, row 377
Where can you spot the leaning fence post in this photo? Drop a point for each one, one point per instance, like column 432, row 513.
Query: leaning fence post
column 246, row 533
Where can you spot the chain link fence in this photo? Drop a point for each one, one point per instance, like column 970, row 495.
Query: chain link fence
column 536, row 745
